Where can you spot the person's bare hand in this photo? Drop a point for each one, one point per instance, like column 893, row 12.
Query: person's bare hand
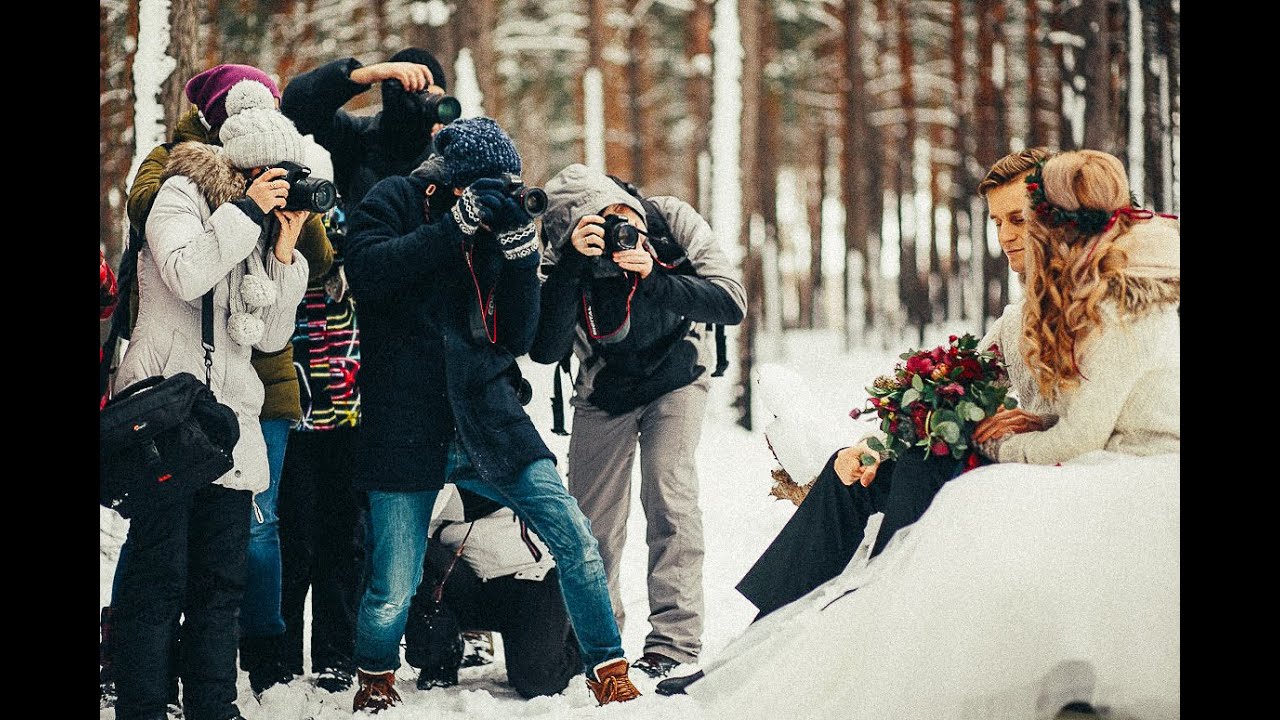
column 413, row 76
column 1005, row 422
column 857, row 463
column 588, row 236
column 637, row 260
column 268, row 191
column 291, row 222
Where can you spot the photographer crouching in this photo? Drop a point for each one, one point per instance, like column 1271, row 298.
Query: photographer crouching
column 444, row 265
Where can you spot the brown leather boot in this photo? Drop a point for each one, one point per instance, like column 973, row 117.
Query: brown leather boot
column 377, row 691
column 612, row 684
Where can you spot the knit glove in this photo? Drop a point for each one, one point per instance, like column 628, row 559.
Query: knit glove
column 518, row 243
column 477, row 205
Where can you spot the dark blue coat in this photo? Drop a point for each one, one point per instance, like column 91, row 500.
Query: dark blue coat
column 423, row 377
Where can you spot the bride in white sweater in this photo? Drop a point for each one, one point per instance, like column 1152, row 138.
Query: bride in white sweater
column 1048, row 578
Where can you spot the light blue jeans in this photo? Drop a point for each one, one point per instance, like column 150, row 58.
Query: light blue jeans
column 260, row 611
column 398, row 535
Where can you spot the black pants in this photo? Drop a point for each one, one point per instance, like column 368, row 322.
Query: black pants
column 321, row 548
column 538, row 643
column 820, row 538
column 189, row 560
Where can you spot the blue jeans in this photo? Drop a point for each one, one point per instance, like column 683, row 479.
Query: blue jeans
column 399, row 522
column 260, row 611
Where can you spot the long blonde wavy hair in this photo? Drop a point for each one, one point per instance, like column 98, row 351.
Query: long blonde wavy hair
column 1070, row 273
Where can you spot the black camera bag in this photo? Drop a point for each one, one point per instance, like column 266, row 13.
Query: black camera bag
column 163, row 438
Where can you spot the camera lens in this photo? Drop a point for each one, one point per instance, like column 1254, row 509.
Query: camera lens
column 442, row 109
column 323, row 196
column 534, row 201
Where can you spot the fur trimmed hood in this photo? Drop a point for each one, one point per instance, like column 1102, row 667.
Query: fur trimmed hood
column 1153, row 276
column 208, row 167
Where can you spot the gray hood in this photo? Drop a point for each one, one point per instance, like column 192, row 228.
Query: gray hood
column 575, row 191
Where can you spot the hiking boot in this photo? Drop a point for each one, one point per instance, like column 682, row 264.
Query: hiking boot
column 334, row 680
column 377, row 691
column 655, row 664
column 677, row 685
column 612, row 684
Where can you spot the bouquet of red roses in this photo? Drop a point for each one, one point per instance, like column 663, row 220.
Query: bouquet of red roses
column 936, row 398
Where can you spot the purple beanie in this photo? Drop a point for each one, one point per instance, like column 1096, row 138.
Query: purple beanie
column 208, row 90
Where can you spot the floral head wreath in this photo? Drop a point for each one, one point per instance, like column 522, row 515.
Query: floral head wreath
column 1088, row 221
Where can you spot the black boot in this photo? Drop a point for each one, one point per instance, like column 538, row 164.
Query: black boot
column 261, row 658
column 106, row 679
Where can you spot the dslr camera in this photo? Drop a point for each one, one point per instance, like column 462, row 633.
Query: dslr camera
column 305, row 192
column 442, row 109
column 532, row 199
column 619, row 235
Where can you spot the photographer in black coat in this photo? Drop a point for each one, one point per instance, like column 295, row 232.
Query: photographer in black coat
column 393, row 141
column 443, row 265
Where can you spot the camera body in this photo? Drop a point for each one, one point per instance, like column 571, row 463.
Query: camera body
column 442, row 109
column 532, row 199
column 305, row 192
column 619, row 234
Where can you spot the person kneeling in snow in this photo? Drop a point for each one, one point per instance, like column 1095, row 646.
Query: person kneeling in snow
column 507, row 583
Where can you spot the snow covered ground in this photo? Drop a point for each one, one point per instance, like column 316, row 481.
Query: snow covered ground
column 740, row 519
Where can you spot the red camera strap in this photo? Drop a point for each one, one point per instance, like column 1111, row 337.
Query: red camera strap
column 592, row 330
column 488, row 310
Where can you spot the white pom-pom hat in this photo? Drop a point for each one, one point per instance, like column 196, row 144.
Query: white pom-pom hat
column 255, row 133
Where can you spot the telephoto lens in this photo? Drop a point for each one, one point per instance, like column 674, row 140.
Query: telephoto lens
column 442, row 109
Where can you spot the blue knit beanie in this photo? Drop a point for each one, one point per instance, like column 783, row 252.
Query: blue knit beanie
column 473, row 148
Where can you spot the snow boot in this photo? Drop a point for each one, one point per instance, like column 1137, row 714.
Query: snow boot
column 261, row 658
column 611, row 683
column 377, row 691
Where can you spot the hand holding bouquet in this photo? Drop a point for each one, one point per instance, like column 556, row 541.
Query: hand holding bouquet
column 936, row 398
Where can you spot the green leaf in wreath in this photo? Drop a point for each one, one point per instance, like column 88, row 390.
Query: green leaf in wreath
column 916, row 383
column 910, row 396
column 949, row 431
column 867, row 459
column 875, row 444
column 1010, row 402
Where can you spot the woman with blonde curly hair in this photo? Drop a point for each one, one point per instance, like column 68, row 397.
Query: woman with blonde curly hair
column 1046, row 580
column 1100, row 331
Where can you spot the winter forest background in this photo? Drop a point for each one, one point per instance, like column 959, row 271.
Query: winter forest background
column 834, row 145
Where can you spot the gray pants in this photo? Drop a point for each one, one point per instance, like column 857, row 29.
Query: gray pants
column 602, row 450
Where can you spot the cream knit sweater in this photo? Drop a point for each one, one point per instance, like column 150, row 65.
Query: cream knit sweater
column 1129, row 399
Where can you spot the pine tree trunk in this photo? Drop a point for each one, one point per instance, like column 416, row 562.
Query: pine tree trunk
column 184, row 46
column 698, row 53
column 752, row 274
column 960, row 179
column 117, row 44
column 1099, row 113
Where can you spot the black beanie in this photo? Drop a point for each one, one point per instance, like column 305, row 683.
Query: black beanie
column 422, row 57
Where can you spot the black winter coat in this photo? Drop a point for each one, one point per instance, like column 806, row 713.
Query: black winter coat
column 364, row 149
column 423, row 377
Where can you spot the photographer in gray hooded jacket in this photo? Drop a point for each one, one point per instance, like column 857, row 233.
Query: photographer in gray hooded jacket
column 630, row 285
